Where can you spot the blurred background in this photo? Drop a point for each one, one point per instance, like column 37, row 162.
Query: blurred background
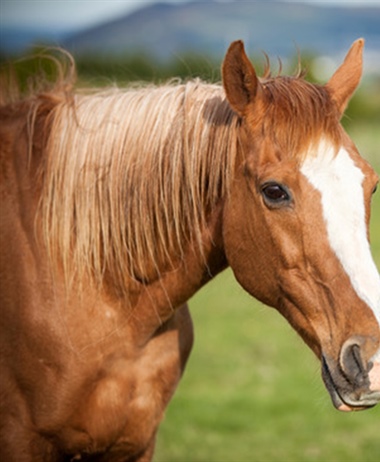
column 252, row 391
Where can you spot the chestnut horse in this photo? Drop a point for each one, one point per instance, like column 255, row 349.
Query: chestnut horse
column 118, row 205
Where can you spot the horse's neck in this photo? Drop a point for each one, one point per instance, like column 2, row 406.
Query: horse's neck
column 153, row 300
column 158, row 300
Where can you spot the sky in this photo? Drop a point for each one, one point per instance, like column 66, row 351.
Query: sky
column 76, row 14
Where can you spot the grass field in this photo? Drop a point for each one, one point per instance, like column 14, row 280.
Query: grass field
column 252, row 391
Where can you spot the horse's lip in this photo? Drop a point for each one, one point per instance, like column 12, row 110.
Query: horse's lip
column 344, row 403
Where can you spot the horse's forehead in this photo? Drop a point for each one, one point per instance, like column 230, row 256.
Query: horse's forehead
column 336, row 166
column 326, row 162
column 340, row 182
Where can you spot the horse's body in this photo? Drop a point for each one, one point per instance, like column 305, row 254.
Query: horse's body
column 117, row 207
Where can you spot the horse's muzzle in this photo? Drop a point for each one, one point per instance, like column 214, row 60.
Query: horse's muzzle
column 352, row 383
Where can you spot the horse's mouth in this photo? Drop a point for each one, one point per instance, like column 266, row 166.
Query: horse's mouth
column 347, row 398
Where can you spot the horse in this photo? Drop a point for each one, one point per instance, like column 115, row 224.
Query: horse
column 119, row 204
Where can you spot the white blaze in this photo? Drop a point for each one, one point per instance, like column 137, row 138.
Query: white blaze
column 340, row 183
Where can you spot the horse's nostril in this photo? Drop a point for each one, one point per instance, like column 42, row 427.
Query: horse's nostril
column 352, row 364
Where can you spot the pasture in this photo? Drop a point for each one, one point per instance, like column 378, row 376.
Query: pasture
column 252, row 391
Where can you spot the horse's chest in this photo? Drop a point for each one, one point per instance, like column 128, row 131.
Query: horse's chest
column 83, row 386
column 117, row 400
column 121, row 407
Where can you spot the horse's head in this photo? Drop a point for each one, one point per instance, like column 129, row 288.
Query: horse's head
column 296, row 221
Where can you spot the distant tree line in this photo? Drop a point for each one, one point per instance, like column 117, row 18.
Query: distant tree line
column 95, row 71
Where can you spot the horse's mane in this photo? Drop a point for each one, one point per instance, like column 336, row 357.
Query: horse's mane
column 130, row 175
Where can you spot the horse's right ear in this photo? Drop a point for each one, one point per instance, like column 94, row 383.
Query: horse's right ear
column 344, row 82
column 239, row 78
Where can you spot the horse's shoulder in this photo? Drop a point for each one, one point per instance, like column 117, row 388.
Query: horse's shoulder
column 113, row 394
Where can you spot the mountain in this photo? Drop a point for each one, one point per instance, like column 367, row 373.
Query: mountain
column 166, row 30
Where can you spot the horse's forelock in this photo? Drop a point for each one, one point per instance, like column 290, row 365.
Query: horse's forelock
column 298, row 115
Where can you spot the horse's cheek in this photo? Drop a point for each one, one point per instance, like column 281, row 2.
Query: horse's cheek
column 251, row 263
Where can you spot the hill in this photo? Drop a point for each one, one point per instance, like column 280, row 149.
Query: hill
column 167, row 30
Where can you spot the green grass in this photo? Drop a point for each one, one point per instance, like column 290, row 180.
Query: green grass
column 252, row 391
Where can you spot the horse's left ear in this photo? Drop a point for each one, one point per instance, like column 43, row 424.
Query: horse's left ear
column 343, row 83
column 239, row 78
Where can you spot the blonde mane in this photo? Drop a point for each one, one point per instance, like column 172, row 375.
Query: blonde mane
column 130, row 176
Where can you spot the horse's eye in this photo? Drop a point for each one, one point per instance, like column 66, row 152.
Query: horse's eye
column 374, row 189
column 275, row 194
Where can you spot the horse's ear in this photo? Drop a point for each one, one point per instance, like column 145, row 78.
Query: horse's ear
column 239, row 78
column 343, row 83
